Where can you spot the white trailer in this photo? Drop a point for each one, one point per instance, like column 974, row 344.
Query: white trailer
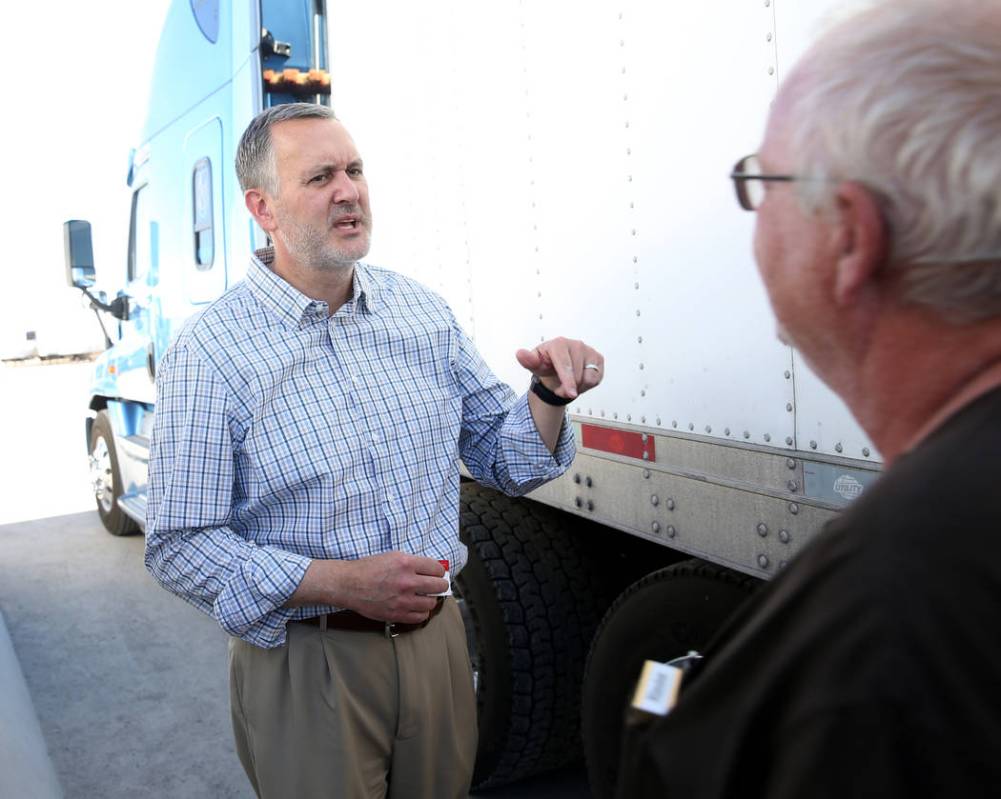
column 560, row 168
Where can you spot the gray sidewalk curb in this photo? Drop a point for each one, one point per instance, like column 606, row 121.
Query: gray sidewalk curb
column 25, row 768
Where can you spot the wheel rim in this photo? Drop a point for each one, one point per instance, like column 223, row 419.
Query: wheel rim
column 470, row 625
column 100, row 475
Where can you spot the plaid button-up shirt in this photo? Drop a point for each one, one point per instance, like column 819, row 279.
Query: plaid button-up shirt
column 283, row 434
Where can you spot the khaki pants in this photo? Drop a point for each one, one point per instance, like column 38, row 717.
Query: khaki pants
column 356, row 715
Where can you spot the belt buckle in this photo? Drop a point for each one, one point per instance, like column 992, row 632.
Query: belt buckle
column 391, row 630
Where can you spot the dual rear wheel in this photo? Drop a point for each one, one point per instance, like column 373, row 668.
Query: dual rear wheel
column 554, row 658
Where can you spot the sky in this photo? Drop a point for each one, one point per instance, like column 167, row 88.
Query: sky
column 67, row 157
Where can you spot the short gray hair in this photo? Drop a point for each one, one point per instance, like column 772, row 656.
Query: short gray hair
column 255, row 157
column 905, row 98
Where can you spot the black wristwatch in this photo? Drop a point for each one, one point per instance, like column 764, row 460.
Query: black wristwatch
column 547, row 396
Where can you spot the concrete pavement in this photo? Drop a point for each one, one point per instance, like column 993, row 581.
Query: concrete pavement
column 129, row 682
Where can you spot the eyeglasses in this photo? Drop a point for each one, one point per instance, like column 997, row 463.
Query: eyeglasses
column 747, row 182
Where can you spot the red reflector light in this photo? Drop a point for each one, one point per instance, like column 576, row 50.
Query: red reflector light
column 618, row 442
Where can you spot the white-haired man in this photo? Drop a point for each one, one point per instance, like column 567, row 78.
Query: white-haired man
column 872, row 666
column 304, row 482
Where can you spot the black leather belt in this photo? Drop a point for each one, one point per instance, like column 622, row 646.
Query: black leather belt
column 355, row 622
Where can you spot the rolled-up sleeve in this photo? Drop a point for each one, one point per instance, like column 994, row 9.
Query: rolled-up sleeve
column 499, row 443
column 191, row 549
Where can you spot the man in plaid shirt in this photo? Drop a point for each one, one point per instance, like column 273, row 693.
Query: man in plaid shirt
column 304, row 482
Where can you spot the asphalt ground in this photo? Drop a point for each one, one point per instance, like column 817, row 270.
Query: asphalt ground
column 129, row 682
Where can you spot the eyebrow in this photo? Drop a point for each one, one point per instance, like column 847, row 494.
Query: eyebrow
column 330, row 167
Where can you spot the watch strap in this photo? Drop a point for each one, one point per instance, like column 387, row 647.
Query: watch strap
column 550, row 398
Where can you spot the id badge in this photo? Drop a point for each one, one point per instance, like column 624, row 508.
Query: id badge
column 660, row 683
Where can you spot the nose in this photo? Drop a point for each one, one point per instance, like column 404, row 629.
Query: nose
column 345, row 189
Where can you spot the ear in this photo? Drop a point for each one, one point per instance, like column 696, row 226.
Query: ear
column 260, row 206
column 861, row 241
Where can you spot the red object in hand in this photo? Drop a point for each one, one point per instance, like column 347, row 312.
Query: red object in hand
column 448, row 579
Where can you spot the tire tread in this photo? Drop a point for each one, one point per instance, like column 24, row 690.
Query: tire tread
column 551, row 602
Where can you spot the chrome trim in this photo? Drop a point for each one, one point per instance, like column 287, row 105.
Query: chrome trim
column 101, row 477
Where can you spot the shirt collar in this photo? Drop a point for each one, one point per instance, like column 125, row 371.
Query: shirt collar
column 290, row 304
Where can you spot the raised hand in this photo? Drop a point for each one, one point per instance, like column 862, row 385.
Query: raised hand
column 566, row 366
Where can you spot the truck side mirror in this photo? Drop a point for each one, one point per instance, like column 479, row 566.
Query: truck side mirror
column 79, row 253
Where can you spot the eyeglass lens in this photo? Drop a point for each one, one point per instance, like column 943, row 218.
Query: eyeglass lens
column 750, row 192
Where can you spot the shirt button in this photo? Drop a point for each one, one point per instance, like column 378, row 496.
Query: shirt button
column 375, row 438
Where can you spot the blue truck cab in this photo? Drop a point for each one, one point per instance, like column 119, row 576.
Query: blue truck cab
column 219, row 63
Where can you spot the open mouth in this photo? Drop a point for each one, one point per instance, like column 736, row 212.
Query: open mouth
column 347, row 223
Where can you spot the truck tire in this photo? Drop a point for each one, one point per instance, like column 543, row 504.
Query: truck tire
column 531, row 605
column 661, row 616
column 106, row 477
